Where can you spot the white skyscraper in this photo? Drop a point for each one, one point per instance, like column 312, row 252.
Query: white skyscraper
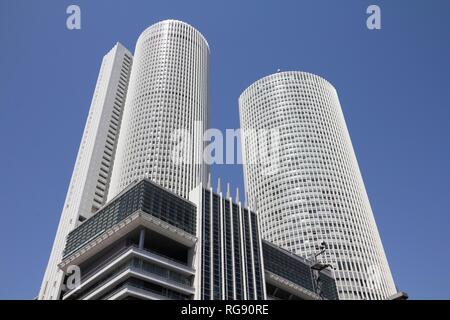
column 91, row 176
column 316, row 194
column 168, row 92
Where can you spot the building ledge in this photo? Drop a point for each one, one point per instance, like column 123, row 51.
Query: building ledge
column 132, row 291
column 290, row 287
column 130, row 223
column 126, row 254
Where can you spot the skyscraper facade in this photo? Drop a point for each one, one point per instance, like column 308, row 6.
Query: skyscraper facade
column 168, row 92
column 88, row 187
column 149, row 243
column 314, row 193
column 165, row 91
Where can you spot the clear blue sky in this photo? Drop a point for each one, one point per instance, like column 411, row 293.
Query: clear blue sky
column 393, row 86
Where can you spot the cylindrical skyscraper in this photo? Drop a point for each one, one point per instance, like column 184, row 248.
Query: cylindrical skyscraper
column 314, row 192
column 168, row 93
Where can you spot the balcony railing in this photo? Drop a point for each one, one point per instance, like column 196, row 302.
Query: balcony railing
column 164, row 295
column 120, row 252
column 130, row 267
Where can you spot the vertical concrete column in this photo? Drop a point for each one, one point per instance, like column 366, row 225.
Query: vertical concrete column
column 141, row 238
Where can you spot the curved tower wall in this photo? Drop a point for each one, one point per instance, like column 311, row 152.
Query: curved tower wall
column 315, row 191
column 168, row 92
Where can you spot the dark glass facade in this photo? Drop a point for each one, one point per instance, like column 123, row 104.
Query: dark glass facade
column 231, row 255
column 291, row 267
column 206, row 248
column 216, row 249
column 257, row 251
column 145, row 196
column 237, row 252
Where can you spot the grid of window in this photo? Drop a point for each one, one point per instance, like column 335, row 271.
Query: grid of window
column 248, row 255
column 168, row 91
column 206, row 247
column 228, row 264
column 316, row 193
column 238, row 254
column 257, row 254
column 145, row 196
column 231, row 234
column 111, row 136
column 216, row 248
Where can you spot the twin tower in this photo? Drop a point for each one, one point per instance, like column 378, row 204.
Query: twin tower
column 315, row 197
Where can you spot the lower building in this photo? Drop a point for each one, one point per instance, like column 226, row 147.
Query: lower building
column 291, row 277
column 230, row 261
column 149, row 243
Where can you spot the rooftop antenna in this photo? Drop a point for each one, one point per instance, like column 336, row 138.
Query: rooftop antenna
column 228, row 190
column 237, row 195
column 218, row 185
column 209, row 181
